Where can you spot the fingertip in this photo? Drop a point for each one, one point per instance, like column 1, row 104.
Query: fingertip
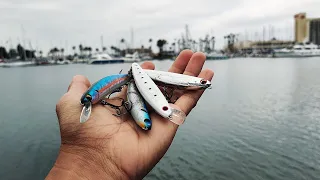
column 181, row 61
column 200, row 55
column 81, row 78
column 148, row 65
column 79, row 83
column 207, row 74
column 186, row 52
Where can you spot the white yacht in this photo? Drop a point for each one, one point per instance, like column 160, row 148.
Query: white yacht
column 132, row 57
column 104, row 58
column 299, row 50
column 18, row 64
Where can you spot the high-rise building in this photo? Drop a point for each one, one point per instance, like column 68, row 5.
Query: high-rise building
column 307, row 29
column 301, row 28
column 314, row 31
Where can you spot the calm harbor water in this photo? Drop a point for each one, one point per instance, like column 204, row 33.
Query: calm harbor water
column 260, row 120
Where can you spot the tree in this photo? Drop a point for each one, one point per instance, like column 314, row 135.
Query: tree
column 74, row 50
column 62, row 51
column 3, row 53
column 104, row 49
column 80, row 49
column 13, row 53
column 123, row 41
column 160, row 44
column 90, row 50
column 21, row 52
column 97, row 49
column 150, row 41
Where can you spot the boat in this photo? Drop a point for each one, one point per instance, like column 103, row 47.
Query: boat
column 216, row 56
column 63, row 62
column 104, row 58
column 18, row 64
column 132, row 57
column 298, row 50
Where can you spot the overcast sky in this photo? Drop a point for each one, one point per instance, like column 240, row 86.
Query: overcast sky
column 71, row 22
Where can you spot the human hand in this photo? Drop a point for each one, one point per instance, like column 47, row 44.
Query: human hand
column 106, row 146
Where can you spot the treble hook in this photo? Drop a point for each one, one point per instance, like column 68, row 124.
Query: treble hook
column 117, row 108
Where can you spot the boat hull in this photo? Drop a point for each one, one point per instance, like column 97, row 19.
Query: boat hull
column 294, row 55
column 217, row 58
column 113, row 61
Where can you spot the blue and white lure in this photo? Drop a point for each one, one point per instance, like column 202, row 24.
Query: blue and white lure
column 99, row 90
column 137, row 107
column 142, row 89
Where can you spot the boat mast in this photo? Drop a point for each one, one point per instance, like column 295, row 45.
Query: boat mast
column 24, row 42
column 101, row 42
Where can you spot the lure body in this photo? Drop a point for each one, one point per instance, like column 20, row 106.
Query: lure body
column 99, row 91
column 104, row 87
column 150, row 91
column 175, row 79
column 138, row 108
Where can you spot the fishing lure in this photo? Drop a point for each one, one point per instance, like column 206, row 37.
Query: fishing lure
column 137, row 107
column 99, row 91
column 150, row 91
column 178, row 80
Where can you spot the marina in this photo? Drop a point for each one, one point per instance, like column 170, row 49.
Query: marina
column 260, row 120
column 80, row 101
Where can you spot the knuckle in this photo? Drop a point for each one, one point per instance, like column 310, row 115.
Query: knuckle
column 62, row 102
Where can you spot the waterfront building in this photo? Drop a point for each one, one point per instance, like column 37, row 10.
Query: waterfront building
column 307, row 29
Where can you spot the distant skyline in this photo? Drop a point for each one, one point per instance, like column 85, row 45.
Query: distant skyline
column 59, row 23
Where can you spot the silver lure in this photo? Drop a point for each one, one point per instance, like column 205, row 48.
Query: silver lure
column 138, row 108
column 150, row 91
column 180, row 80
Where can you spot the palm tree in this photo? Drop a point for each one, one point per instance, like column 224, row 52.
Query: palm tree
column 74, row 50
column 174, row 46
column 123, row 41
column 104, row 49
column 80, row 49
column 97, row 49
column 160, row 44
column 62, row 52
column 150, row 42
column 90, row 50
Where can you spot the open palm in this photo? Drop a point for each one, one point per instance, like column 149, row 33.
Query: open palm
column 115, row 146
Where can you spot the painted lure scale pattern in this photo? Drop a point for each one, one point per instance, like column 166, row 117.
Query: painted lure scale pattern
column 99, row 90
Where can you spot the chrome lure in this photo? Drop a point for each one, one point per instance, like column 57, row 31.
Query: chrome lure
column 150, row 91
column 180, row 80
column 99, row 91
column 137, row 107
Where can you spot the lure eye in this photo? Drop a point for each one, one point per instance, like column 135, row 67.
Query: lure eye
column 89, row 97
column 203, row 81
column 165, row 108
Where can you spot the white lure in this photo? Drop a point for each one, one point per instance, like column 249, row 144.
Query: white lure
column 137, row 107
column 175, row 79
column 150, row 91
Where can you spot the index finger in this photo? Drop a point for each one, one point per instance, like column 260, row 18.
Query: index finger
column 79, row 85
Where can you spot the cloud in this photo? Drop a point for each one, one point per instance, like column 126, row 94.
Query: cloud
column 60, row 23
